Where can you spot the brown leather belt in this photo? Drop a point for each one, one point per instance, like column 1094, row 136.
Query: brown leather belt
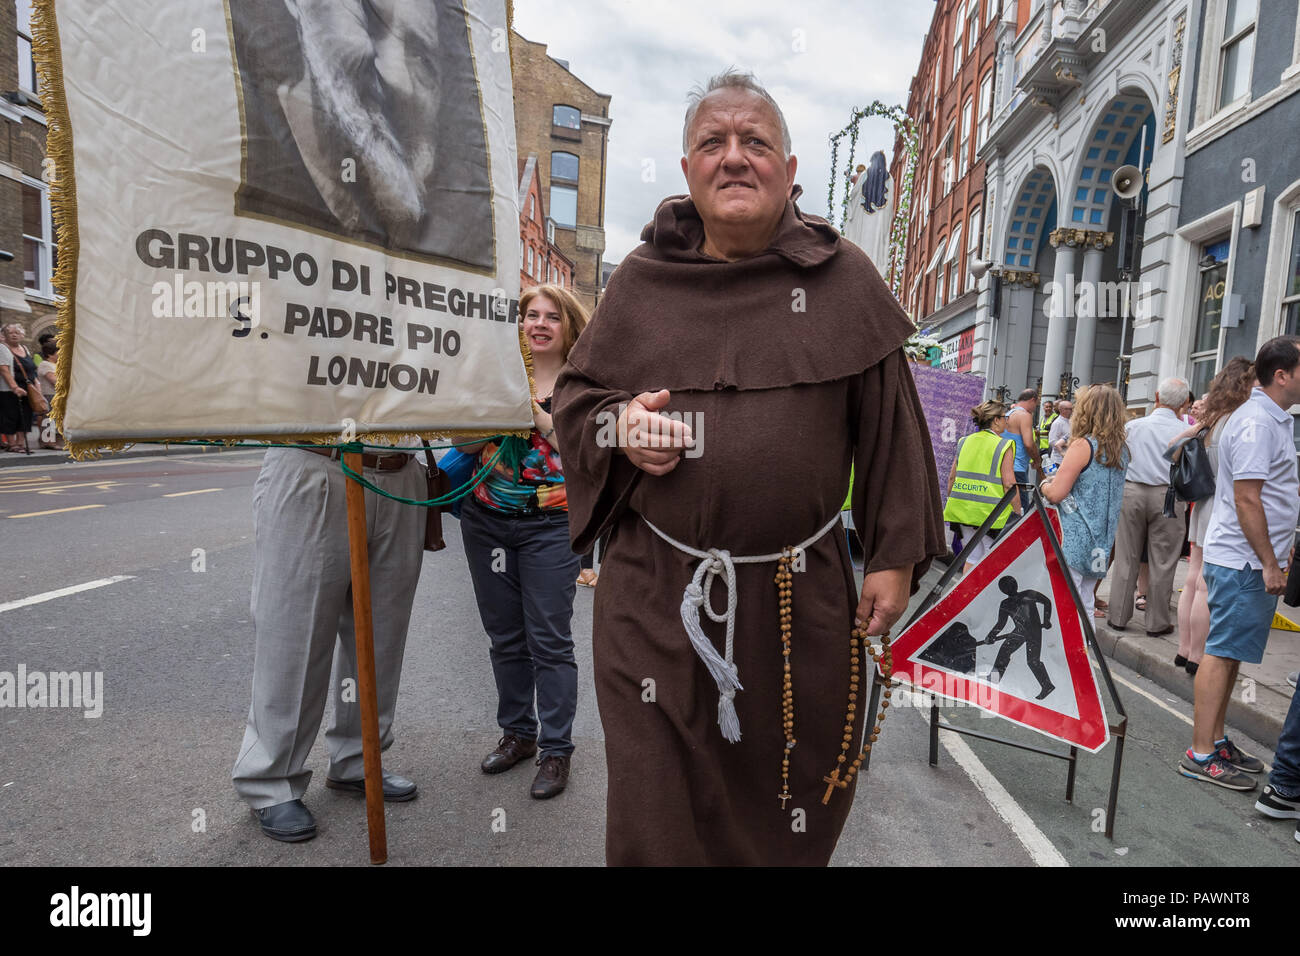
column 390, row 462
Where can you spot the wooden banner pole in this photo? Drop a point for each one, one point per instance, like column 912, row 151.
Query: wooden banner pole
column 367, row 698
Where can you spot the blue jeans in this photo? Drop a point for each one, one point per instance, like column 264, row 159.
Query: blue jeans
column 1285, row 775
column 525, row 576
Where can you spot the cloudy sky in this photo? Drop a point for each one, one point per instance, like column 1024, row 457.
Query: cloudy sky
column 819, row 59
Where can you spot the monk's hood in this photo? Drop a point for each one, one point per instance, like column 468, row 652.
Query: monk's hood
column 677, row 232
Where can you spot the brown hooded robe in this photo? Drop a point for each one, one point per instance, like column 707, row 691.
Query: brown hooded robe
column 790, row 363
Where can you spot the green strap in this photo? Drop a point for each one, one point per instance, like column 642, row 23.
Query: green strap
column 446, row 499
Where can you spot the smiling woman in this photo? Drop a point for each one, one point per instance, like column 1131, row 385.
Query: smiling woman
column 516, row 532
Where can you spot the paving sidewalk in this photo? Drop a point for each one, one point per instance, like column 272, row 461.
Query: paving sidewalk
column 1260, row 702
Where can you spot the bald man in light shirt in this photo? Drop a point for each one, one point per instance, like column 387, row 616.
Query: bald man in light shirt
column 1141, row 517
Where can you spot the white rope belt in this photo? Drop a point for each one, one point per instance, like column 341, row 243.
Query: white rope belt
column 714, row 563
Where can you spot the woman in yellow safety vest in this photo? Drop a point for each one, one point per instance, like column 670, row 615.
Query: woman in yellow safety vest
column 981, row 473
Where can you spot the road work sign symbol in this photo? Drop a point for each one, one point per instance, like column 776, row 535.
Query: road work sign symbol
column 1008, row 640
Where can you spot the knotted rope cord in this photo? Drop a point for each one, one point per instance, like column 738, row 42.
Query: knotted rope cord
column 718, row 562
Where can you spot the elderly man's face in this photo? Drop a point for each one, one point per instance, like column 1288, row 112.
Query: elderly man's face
column 735, row 168
column 1064, row 409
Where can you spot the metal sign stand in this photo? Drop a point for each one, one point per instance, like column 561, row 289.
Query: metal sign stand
column 1118, row 729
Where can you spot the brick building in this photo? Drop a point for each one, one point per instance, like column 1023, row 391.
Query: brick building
column 27, row 241
column 541, row 260
column 950, row 101
column 564, row 123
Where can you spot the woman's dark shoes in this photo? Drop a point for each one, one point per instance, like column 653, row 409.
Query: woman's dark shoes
column 396, row 789
column 1180, row 661
column 510, row 750
column 1192, row 667
column 552, row 778
column 289, row 822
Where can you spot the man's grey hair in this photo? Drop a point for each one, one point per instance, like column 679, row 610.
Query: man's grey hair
column 732, row 79
column 1173, row 393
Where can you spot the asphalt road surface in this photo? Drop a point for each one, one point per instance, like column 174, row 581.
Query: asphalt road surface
column 141, row 569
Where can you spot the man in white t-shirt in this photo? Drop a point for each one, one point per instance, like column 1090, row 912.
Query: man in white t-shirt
column 1058, row 436
column 1142, row 521
column 1247, row 553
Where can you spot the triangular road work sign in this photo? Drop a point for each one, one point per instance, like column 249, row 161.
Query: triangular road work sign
column 1008, row 640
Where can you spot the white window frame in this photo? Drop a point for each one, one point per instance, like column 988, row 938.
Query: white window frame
column 974, row 224
column 936, row 266
column 947, row 160
column 985, row 109
column 952, row 262
column 972, row 27
column 967, row 120
column 1225, row 42
column 991, row 10
column 1185, row 287
column 1289, row 300
column 1281, row 234
column 958, row 33
column 529, row 259
column 47, row 244
column 31, row 59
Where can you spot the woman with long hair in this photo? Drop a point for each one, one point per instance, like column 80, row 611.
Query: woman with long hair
column 515, row 527
column 1229, row 390
column 1088, row 488
column 985, row 464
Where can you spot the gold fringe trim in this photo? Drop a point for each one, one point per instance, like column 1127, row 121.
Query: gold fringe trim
column 91, row 450
column 63, row 190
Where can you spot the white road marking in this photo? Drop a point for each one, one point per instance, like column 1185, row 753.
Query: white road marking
column 1037, row 844
column 182, row 494
column 64, row 592
column 1149, row 696
column 1268, row 767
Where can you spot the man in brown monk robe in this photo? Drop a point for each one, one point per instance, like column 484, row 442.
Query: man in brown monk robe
column 743, row 357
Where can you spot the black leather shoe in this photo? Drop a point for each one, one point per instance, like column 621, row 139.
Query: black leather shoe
column 1162, row 632
column 396, row 789
column 552, row 778
column 289, row 822
column 510, row 751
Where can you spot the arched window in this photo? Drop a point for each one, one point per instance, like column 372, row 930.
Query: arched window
column 567, row 117
column 564, row 167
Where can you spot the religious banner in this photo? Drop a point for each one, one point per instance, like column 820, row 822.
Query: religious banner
column 283, row 219
column 947, row 398
column 1008, row 640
